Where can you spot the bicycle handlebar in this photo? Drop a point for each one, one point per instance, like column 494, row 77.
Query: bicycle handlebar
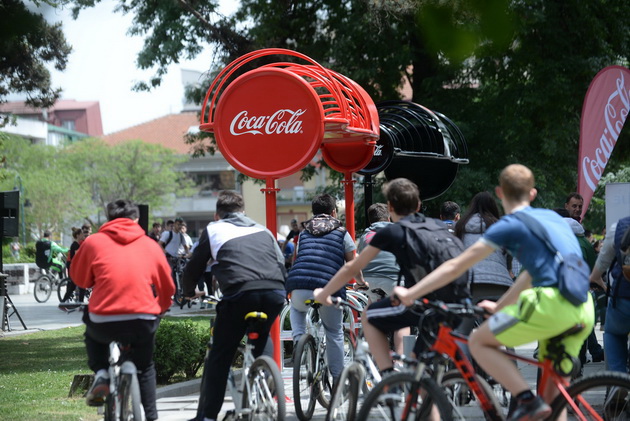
column 339, row 302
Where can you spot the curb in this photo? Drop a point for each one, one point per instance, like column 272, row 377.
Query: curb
column 189, row 387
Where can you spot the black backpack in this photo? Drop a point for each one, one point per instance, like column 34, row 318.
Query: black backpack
column 428, row 244
column 42, row 252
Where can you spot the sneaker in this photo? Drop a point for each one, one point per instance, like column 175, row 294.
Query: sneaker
column 98, row 391
column 536, row 409
column 615, row 402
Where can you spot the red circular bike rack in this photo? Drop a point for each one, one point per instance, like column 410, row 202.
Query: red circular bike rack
column 269, row 121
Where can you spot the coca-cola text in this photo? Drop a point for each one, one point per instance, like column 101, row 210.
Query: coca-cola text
column 283, row 121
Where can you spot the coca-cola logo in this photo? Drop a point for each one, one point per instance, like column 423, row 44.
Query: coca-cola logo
column 283, row 121
column 614, row 114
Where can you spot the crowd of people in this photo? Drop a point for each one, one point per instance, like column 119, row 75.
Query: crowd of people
column 504, row 265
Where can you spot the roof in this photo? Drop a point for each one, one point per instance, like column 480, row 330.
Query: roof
column 20, row 107
column 168, row 131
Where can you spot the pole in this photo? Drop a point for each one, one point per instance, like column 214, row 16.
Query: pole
column 348, row 184
column 20, row 188
column 367, row 195
column 272, row 225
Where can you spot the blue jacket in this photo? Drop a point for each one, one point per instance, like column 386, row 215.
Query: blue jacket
column 321, row 253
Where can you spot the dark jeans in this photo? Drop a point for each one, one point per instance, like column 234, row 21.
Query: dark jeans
column 71, row 287
column 140, row 335
column 229, row 328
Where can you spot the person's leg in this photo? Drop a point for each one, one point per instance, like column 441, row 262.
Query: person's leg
column 332, row 318
column 70, row 288
column 398, row 339
column 297, row 315
column 229, row 329
column 616, row 334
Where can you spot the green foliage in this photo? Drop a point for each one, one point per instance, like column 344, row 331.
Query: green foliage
column 72, row 182
column 179, row 348
column 28, row 44
column 511, row 74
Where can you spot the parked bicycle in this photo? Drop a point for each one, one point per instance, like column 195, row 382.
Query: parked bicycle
column 312, row 380
column 601, row 396
column 178, row 275
column 48, row 281
column 259, row 392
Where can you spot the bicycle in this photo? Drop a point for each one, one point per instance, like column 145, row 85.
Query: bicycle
column 123, row 402
column 588, row 398
column 312, row 380
column 360, row 376
column 74, row 297
column 48, row 281
column 259, row 394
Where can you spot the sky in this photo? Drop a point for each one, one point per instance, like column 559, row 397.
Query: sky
column 102, row 67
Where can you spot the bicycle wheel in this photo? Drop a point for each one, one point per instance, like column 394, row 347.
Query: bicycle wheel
column 304, row 391
column 606, row 392
column 267, row 401
column 129, row 398
column 463, row 400
column 42, row 288
column 62, row 289
column 400, row 397
column 343, row 403
column 323, row 386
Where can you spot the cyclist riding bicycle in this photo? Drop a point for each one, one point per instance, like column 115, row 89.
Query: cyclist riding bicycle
column 46, row 252
column 131, row 288
column 248, row 263
column 533, row 308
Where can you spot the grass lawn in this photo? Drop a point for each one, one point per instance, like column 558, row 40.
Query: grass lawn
column 37, row 369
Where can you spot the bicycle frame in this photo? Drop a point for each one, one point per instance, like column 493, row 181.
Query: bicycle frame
column 447, row 343
column 236, row 390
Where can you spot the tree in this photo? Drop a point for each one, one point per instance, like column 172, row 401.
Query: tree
column 511, row 73
column 134, row 170
column 27, row 43
column 53, row 190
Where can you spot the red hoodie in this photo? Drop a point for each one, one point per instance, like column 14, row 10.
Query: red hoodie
column 127, row 271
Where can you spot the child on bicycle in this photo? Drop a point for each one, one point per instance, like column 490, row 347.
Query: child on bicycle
column 131, row 287
column 533, row 308
column 385, row 316
column 248, row 263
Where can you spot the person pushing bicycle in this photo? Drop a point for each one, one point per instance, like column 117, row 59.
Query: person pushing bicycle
column 249, row 266
column 533, row 308
column 127, row 299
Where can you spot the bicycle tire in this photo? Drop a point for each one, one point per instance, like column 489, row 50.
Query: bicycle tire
column 304, row 387
column 595, row 389
column 109, row 413
column 42, row 288
column 268, row 403
column 62, row 288
column 343, row 403
column 465, row 404
column 399, row 397
column 129, row 392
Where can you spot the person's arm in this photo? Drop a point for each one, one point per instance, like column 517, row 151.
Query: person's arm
column 348, row 271
column 197, row 264
column 444, row 274
column 604, row 259
column 56, row 248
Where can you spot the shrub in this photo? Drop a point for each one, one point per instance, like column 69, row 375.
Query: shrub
column 179, row 348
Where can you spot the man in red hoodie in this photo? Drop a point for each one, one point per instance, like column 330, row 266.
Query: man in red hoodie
column 131, row 286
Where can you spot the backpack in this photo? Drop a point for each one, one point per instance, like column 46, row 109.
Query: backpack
column 42, row 254
column 428, row 244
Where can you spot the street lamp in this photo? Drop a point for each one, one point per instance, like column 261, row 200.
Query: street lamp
column 20, row 188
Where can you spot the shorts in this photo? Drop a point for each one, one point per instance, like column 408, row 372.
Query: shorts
column 387, row 318
column 542, row 313
column 386, row 284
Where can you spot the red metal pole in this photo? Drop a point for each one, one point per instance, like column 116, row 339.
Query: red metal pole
column 272, row 225
column 348, row 183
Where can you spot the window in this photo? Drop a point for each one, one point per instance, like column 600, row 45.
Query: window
column 68, row 124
